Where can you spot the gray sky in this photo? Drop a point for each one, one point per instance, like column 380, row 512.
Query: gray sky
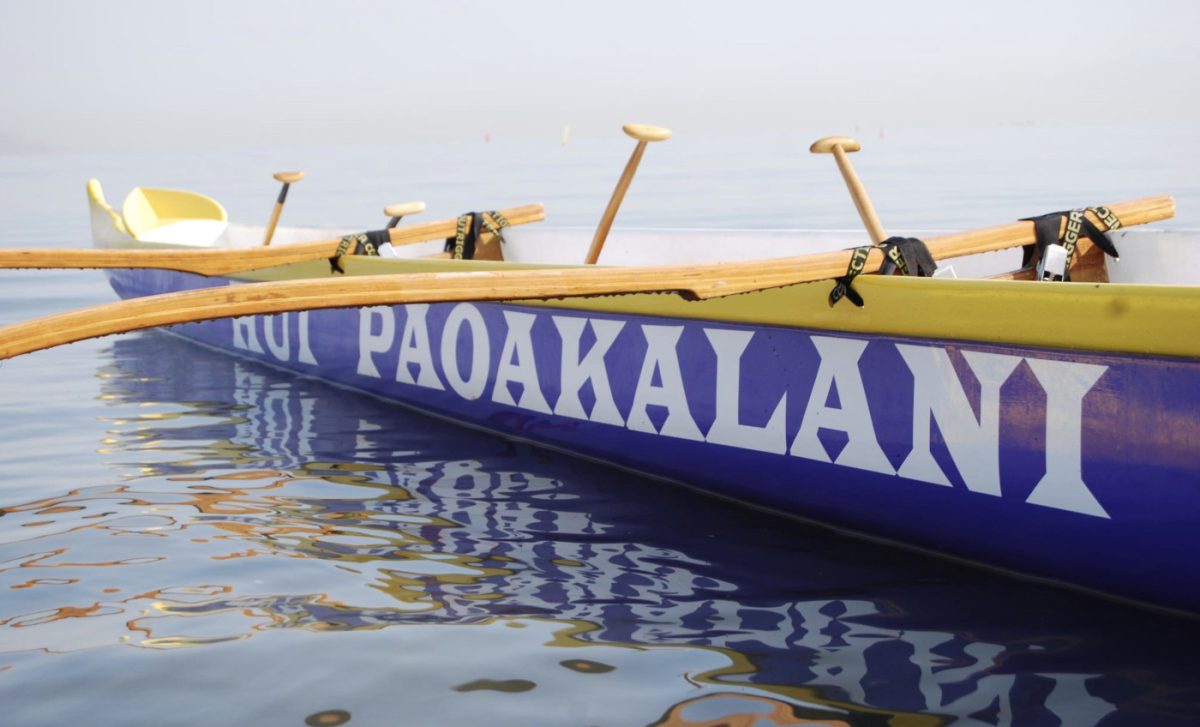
column 78, row 74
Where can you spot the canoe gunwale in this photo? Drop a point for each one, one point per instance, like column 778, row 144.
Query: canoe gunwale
column 1110, row 317
column 1097, row 317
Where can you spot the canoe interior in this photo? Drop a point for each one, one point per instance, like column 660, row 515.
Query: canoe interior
column 177, row 219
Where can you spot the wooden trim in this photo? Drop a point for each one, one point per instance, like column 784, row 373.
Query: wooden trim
column 230, row 261
column 692, row 281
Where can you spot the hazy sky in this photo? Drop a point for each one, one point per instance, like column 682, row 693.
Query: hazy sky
column 85, row 74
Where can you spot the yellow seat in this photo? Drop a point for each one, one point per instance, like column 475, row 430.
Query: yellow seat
column 146, row 209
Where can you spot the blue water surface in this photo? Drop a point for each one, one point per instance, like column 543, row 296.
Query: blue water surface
column 187, row 538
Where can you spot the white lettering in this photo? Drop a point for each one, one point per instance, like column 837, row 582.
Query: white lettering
column 369, row 342
column 839, row 367
column 306, row 354
column 727, row 428
column 244, row 336
column 280, row 348
column 938, row 395
column 661, row 356
column 1071, row 699
column 465, row 313
column 415, row 349
column 576, row 372
column 1062, row 486
column 518, row 343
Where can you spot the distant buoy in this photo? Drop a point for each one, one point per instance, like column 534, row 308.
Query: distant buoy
column 487, row 138
column 566, row 133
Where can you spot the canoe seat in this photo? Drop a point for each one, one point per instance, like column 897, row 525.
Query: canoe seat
column 173, row 216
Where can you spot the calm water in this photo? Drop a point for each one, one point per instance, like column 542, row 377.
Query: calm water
column 190, row 539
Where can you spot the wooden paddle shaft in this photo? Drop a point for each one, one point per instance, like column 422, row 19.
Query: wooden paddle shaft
column 228, row 261
column 278, row 210
column 644, row 134
column 839, row 146
column 287, row 178
column 614, row 204
column 862, row 202
column 694, row 281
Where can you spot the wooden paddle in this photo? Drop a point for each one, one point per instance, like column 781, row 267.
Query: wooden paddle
column 839, row 146
column 288, row 179
column 643, row 134
column 398, row 212
column 228, row 261
column 692, row 281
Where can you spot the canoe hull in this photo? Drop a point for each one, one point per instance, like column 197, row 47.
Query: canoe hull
column 1075, row 466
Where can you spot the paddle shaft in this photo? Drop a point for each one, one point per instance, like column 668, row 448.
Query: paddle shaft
column 278, row 210
column 287, row 179
column 644, row 135
column 693, row 281
column 229, row 261
column 614, row 204
column 858, row 193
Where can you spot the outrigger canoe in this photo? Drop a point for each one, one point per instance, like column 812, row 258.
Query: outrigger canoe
column 1046, row 428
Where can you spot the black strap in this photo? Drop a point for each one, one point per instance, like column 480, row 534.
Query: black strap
column 468, row 229
column 909, row 255
column 841, row 288
column 1046, row 231
column 1098, row 236
column 495, row 222
column 466, row 234
column 362, row 243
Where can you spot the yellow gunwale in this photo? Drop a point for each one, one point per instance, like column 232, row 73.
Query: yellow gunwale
column 1097, row 318
column 1093, row 317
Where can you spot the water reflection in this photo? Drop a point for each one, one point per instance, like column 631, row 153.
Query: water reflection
column 283, row 526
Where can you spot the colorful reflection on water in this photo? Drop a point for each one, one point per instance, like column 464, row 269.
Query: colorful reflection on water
column 271, row 550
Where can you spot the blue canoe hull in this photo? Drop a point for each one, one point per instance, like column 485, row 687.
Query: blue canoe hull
column 1078, row 467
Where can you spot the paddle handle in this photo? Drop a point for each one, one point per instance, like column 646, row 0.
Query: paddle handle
column 399, row 211
column 614, row 204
